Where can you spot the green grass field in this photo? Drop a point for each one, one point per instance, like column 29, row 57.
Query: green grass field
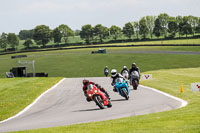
column 169, row 72
column 17, row 93
column 81, row 63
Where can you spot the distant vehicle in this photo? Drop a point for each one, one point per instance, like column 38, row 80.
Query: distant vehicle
column 102, row 51
column 98, row 97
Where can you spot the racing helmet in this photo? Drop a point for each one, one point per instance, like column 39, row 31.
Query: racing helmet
column 85, row 82
column 113, row 72
column 134, row 65
column 124, row 67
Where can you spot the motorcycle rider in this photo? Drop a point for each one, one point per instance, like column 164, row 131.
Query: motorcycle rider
column 114, row 76
column 134, row 68
column 106, row 70
column 86, row 83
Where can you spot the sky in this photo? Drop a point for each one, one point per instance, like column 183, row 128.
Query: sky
column 19, row 15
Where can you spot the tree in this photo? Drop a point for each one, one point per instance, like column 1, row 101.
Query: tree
column 179, row 19
column 193, row 21
column 157, row 28
column 198, row 26
column 150, row 24
column 13, row 40
column 143, row 27
column 56, row 34
column 172, row 27
column 136, row 28
column 65, row 31
column 164, row 18
column 100, row 32
column 115, row 31
column 28, row 42
column 86, row 33
column 25, row 34
column 185, row 28
column 128, row 30
column 42, row 35
column 3, row 41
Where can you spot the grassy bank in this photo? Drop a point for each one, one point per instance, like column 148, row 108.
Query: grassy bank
column 17, row 93
column 181, row 120
column 81, row 63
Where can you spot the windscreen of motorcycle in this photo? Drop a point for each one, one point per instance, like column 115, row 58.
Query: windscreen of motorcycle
column 119, row 80
column 135, row 74
column 90, row 86
column 106, row 70
column 125, row 72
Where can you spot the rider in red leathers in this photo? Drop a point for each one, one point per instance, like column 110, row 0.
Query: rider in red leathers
column 86, row 82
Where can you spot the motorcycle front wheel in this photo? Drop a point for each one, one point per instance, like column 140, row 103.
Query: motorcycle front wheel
column 135, row 84
column 125, row 94
column 99, row 101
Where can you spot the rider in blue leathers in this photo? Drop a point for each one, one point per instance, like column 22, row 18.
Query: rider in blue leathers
column 114, row 76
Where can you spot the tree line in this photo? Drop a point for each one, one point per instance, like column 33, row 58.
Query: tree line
column 147, row 27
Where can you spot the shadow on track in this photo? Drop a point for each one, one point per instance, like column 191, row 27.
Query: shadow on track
column 87, row 110
column 116, row 100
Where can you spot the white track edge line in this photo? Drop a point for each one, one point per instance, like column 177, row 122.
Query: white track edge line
column 183, row 102
column 34, row 102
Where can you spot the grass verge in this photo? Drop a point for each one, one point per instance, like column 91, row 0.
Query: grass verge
column 17, row 93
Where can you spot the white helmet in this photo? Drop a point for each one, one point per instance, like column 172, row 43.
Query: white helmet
column 113, row 72
column 124, row 67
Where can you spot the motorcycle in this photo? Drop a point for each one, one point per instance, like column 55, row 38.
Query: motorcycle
column 106, row 72
column 134, row 79
column 98, row 97
column 122, row 87
column 125, row 74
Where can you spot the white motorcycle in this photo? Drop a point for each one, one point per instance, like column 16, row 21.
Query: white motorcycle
column 125, row 74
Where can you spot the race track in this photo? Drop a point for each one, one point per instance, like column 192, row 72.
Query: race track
column 66, row 105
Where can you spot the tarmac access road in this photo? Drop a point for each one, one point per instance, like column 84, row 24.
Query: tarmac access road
column 65, row 104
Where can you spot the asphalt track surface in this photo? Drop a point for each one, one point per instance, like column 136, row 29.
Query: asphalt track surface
column 65, row 104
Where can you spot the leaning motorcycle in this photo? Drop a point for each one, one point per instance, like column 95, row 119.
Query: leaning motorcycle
column 122, row 87
column 134, row 79
column 98, row 97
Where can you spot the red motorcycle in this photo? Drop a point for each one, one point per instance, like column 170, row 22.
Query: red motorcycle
column 98, row 97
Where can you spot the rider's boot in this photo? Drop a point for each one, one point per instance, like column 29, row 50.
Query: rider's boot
column 114, row 89
column 107, row 95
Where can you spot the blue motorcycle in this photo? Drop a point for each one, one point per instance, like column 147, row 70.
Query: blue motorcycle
column 122, row 87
